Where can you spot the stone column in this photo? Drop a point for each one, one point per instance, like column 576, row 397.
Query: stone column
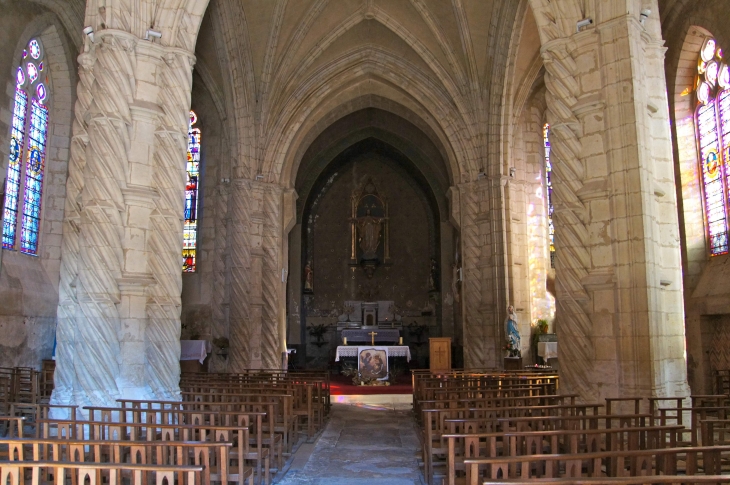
column 257, row 293
column 66, row 330
column 482, row 242
column 220, row 275
column 125, row 177
column 618, row 281
column 168, row 176
column 239, row 353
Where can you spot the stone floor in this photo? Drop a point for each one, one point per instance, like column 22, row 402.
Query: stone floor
column 366, row 438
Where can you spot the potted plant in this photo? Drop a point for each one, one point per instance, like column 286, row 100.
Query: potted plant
column 222, row 344
column 540, row 328
column 318, row 331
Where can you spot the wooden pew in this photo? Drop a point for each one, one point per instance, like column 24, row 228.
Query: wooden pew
column 11, row 426
column 584, row 465
column 274, row 434
column 116, row 431
column 466, row 446
column 15, row 473
column 214, row 457
column 283, row 420
column 667, row 479
column 438, row 422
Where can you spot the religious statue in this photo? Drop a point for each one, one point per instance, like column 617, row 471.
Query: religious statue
column 308, row 278
column 369, row 230
column 513, row 334
column 433, row 276
column 455, row 279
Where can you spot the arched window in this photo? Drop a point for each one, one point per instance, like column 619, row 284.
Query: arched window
column 190, row 230
column 27, row 152
column 713, row 134
column 549, row 192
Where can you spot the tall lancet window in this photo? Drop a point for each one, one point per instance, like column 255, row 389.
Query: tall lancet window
column 713, row 132
column 549, row 192
column 24, row 184
column 190, row 230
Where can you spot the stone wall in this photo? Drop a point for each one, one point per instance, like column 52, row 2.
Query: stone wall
column 686, row 25
column 413, row 242
column 29, row 284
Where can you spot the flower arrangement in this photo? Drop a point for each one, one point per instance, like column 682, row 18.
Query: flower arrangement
column 513, row 352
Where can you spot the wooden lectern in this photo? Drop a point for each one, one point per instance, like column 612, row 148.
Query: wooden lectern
column 440, row 353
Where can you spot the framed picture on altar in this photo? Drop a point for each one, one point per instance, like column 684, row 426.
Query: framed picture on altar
column 372, row 363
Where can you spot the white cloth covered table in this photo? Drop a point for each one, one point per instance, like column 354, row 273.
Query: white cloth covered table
column 393, row 351
column 195, row 350
column 547, row 350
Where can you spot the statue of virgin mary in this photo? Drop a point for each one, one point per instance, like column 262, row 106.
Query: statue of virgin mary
column 513, row 334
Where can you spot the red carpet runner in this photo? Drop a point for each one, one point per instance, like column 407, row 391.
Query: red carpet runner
column 342, row 386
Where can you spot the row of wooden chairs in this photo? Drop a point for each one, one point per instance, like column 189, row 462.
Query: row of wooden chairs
column 487, row 426
column 310, row 393
column 32, row 473
column 24, row 384
column 258, row 416
column 243, row 438
column 218, row 460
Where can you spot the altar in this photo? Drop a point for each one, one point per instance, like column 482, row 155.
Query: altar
column 382, row 335
column 373, row 362
column 393, row 351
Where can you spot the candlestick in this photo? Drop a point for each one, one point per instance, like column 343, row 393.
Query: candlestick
column 400, row 340
column 344, row 340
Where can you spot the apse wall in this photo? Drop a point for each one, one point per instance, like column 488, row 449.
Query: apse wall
column 409, row 281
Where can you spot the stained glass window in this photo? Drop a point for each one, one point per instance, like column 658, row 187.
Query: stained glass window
column 713, row 132
column 190, row 229
column 549, row 192
column 34, row 178
column 26, row 161
column 12, row 184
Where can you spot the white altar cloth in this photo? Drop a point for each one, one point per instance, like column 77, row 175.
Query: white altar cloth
column 195, row 350
column 547, row 350
column 393, row 351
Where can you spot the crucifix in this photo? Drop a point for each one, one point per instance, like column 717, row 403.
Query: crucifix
column 439, row 354
column 372, row 337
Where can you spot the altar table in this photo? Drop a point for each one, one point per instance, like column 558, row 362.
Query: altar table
column 363, row 335
column 195, row 350
column 393, row 351
column 547, row 350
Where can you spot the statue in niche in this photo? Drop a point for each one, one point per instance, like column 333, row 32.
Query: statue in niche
column 308, row 279
column 433, row 276
column 368, row 228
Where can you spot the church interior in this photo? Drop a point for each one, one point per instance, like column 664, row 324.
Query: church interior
column 257, row 197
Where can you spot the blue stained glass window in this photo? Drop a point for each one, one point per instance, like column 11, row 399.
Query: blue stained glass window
column 190, row 228
column 12, row 184
column 549, row 192
column 35, row 49
column 713, row 132
column 34, row 178
column 32, row 72
column 27, row 157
